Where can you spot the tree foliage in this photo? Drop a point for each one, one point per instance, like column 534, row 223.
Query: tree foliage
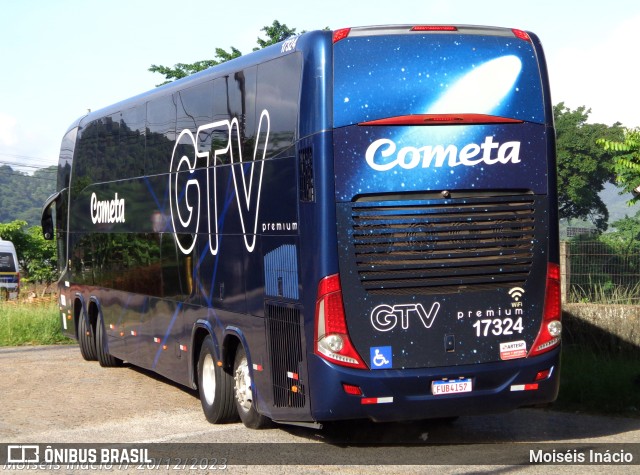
column 626, row 161
column 627, row 229
column 583, row 166
column 37, row 257
column 276, row 32
column 22, row 195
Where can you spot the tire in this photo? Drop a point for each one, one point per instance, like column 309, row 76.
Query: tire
column 215, row 387
column 243, row 393
column 104, row 358
column 87, row 342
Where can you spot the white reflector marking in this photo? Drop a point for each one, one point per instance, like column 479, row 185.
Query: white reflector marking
column 376, row 400
column 524, row 387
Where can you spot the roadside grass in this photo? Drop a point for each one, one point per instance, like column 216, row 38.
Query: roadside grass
column 30, row 324
column 605, row 294
column 599, row 382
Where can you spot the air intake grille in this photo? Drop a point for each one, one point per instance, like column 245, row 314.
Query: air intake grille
column 307, row 188
column 443, row 246
column 285, row 345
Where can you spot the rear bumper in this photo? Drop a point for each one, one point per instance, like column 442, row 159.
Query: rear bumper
column 399, row 395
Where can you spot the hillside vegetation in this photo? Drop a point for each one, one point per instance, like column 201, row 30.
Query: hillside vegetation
column 22, row 195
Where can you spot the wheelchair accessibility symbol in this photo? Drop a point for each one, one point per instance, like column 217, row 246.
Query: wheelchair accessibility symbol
column 381, row 357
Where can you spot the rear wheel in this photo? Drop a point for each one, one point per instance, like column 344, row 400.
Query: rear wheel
column 86, row 339
column 104, row 358
column 215, row 386
column 243, row 391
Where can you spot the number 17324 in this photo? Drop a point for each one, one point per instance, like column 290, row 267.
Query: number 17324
column 498, row 326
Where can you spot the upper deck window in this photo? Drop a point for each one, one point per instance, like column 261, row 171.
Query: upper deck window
column 393, row 75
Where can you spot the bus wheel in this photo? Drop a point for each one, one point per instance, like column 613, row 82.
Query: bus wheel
column 215, row 386
column 104, row 358
column 244, row 394
column 86, row 340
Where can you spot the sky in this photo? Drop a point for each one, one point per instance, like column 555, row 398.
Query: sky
column 60, row 58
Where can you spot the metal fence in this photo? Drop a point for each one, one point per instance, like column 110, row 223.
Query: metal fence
column 600, row 272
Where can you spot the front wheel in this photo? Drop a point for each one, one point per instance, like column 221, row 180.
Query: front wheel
column 243, row 391
column 215, row 386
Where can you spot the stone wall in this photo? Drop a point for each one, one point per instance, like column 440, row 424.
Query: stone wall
column 613, row 328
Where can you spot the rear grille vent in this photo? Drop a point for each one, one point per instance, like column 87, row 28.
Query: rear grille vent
column 285, row 346
column 443, row 246
column 307, row 191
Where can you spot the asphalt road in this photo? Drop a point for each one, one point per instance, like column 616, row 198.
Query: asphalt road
column 50, row 395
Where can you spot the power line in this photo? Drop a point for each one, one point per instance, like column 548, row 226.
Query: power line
column 24, row 165
column 28, row 157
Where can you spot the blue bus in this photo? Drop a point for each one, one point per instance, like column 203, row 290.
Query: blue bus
column 351, row 224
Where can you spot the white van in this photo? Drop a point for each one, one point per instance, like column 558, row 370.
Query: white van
column 9, row 271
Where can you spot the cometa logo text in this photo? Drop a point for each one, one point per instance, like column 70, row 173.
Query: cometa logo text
column 107, row 211
column 381, row 155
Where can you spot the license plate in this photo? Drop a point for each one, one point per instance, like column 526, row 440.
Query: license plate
column 439, row 388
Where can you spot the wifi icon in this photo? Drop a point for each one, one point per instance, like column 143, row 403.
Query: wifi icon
column 516, row 293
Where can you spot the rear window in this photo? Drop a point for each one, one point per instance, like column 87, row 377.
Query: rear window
column 7, row 263
column 386, row 76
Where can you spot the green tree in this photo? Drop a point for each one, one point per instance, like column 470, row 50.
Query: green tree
column 626, row 161
column 40, row 258
column 14, row 232
column 627, row 229
column 583, row 166
column 37, row 257
column 276, row 32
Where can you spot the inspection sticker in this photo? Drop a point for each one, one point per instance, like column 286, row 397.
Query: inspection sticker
column 513, row 350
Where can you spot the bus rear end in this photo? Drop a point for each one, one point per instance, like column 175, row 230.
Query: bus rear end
column 447, row 299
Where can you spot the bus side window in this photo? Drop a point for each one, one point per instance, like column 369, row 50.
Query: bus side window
column 161, row 135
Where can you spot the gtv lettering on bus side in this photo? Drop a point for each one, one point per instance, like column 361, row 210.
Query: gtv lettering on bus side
column 380, row 154
column 247, row 192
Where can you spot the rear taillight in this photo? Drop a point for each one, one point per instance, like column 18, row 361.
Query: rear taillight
column 341, row 34
column 331, row 335
column 551, row 328
column 523, row 35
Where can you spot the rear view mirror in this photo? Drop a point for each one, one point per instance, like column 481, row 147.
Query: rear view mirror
column 47, row 217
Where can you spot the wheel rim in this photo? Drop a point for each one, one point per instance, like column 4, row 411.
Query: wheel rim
column 243, row 386
column 208, row 379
